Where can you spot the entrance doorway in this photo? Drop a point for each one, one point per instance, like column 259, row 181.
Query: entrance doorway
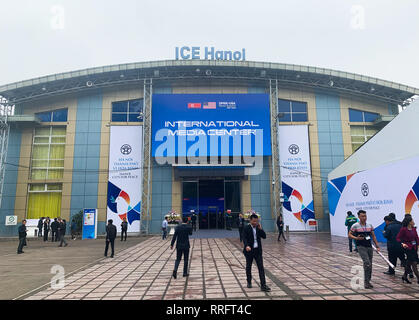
column 210, row 199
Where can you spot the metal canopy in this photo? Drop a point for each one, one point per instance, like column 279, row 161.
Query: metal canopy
column 172, row 72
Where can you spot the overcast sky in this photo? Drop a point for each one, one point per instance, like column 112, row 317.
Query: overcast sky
column 377, row 38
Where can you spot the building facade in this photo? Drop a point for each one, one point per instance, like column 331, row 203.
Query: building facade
column 59, row 140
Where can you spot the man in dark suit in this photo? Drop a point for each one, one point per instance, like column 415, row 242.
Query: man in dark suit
column 22, row 237
column 111, row 233
column 252, row 250
column 124, row 229
column 240, row 223
column 54, row 230
column 182, row 234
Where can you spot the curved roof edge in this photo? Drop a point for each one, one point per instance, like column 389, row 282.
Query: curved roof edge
column 271, row 66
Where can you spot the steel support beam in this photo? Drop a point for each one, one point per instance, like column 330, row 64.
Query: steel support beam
column 147, row 159
column 276, row 178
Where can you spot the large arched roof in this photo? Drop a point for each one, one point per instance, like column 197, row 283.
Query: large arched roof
column 162, row 72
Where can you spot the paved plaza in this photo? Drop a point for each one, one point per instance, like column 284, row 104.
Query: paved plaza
column 307, row 267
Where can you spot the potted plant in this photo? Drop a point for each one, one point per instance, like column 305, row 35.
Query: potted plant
column 173, row 219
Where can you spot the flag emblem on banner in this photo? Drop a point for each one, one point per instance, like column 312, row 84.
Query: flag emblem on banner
column 210, row 105
column 194, row 106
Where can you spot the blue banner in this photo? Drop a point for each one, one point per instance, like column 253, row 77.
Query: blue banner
column 203, row 125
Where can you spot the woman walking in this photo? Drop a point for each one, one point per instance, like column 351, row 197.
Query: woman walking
column 409, row 240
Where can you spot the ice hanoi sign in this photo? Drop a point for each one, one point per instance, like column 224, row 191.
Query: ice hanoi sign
column 208, row 53
column 125, row 176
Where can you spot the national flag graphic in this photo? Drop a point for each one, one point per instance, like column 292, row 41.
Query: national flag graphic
column 210, row 105
column 194, row 106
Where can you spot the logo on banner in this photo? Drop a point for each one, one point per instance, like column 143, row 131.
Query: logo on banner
column 126, row 149
column 365, row 190
column 412, row 197
column 210, row 105
column 294, row 149
column 298, row 209
column 115, row 195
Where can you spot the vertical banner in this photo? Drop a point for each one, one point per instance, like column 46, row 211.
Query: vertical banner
column 125, row 176
column 295, row 169
column 89, row 224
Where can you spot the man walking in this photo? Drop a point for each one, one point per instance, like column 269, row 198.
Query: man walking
column 124, row 229
column 40, row 226
column 46, row 228
column 181, row 237
column 394, row 248
column 193, row 220
column 110, row 237
column 22, row 237
column 362, row 232
column 349, row 222
column 54, row 230
column 280, row 225
column 62, row 226
column 252, row 250
column 164, row 226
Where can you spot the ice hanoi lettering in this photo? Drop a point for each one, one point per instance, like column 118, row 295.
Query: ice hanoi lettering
column 208, row 53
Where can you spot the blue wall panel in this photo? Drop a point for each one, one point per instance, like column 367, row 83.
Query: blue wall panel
column 10, row 182
column 261, row 196
column 330, row 143
column 86, row 154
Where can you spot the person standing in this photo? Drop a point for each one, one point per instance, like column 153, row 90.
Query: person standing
column 22, row 237
column 124, row 229
column 240, row 223
column 362, row 232
column 62, row 227
column 394, row 248
column 46, row 228
column 349, row 222
column 280, row 225
column 111, row 233
column 164, row 226
column 252, row 235
column 181, row 237
column 193, row 220
column 73, row 229
column 54, row 230
column 40, row 226
column 409, row 240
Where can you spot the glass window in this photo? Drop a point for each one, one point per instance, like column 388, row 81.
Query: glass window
column 362, row 116
column 361, row 134
column 292, row 111
column 299, row 106
column 119, row 117
column 53, row 116
column 127, row 111
column 59, row 115
column 120, row 106
column 284, row 105
column 44, row 200
column 299, row 117
column 370, row 117
column 355, row 116
column 48, row 153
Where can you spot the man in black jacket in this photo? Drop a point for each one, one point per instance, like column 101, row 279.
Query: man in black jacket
column 182, row 234
column 54, row 230
column 22, row 237
column 394, row 248
column 40, row 226
column 280, row 225
column 252, row 235
column 124, row 229
column 62, row 226
column 110, row 237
